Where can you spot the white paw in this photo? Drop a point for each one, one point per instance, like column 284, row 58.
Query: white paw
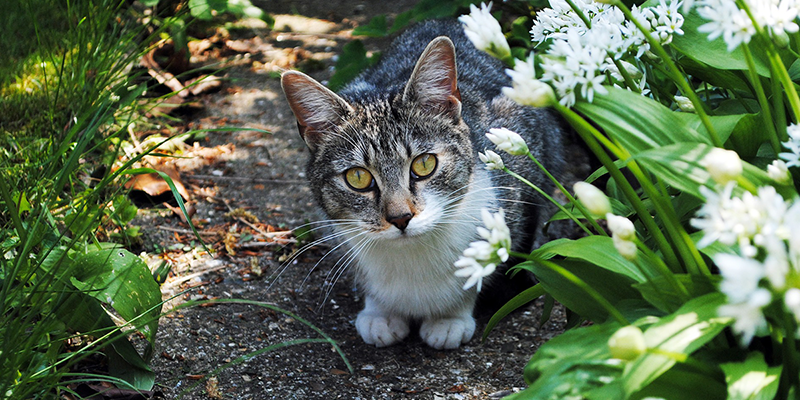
column 447, row 333
column 381, row 330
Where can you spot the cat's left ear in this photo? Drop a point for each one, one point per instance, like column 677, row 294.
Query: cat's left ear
column 433, row 83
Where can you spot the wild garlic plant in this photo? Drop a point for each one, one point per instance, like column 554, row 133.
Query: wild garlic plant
column 690, row 264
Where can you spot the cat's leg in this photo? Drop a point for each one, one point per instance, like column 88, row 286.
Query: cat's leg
column 450, row 332
column 379, row 327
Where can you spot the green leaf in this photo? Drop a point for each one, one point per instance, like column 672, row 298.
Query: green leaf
column 203, row 9
column 122, row 280
column 577, row 361
column 695, row 45
column 376, row 28
column 518, row 301
column 681, row 333
column 620, row 113
column 682, row 382
column 752, row 379
column 598, row 250
column 21, row 202
column 617, row 208
column 351, row 62
column 612, row 286
column 659, row 292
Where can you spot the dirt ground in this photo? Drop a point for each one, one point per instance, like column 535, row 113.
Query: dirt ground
column 262, row 175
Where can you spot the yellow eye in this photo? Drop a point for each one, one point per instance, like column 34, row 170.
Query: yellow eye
column 359, row 179
column 423, row 165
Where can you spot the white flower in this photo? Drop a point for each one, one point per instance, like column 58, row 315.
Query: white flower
column 526, row 89
column 740, row 276
column 492, row 160
column 792, row 301
column 748, row 316
column 481, row 258
column 793, row 145
column 508, row 141
column 777, row 17
column 484, row 31
column 778, row 171
column 723, row 165
column 627, row 343
column 474, row 270
column 592, row 198
column 621, row 226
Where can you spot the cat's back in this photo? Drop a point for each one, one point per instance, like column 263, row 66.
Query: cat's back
column 479, row 74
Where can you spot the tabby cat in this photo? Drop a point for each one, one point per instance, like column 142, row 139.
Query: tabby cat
column 394, row 165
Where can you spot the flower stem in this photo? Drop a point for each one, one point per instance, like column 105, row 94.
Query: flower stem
column 789, row 377
column 589, row 134
column 675, row 74
column 580, row 13
column 569, row 196
column 776, row 63
column 766, row 114
column 550, row 199
column 626, row 76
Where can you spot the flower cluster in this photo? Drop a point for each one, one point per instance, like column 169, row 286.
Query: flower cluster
column 766, row 229
column 484, row 31
column 526, row 89
column 582, row 53
column 793, row 145
column 482, row 257
column 735, row 26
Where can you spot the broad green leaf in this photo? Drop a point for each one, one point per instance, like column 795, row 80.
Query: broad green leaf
column 376, row 28
column 660, row 293
column 752, row 379
column 577, row 361
column 518, row 301
column 744, row 131
column 610, row 285
column 683, row 382
column 695, row 45
column 683, row 332
column 679, row 166
column 122, row 280
column 203, row 9
column 621, row 113
column 598, row 250
column 83, row 313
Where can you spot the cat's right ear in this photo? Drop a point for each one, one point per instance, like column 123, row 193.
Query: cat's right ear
column 317, row 109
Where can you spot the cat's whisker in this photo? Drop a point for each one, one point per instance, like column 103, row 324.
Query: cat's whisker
column 331, row 251
column 305, row 248
column 342, row 265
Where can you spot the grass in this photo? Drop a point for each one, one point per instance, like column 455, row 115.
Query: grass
column 68, row 96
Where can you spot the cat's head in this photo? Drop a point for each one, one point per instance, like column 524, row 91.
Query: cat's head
column 395, row 165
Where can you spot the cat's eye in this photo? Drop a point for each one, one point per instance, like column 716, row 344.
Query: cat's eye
column 359, row 179
column 423, row 165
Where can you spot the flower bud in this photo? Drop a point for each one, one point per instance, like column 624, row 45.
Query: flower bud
column 723, row 165
column 778, row 171
column 509, row 141
column 684, row 104
column 627, row 343
column 621, row 227
column 492, row 160
column 592, row 198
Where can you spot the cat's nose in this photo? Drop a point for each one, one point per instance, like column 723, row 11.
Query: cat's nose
column 400, row 221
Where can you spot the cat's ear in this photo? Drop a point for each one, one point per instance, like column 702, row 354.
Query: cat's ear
column 316, row 108
column 433, row 83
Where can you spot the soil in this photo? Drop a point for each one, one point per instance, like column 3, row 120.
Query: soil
column 261, row 176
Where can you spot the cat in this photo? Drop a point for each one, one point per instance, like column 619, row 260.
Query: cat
column 394, row 165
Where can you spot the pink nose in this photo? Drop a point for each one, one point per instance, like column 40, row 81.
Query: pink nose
column 400, row 221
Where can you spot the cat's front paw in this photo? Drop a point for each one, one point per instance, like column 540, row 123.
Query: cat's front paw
column 381, row 330
column 447, row 333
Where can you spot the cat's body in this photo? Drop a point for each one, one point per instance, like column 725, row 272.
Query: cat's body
column 394, row 163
